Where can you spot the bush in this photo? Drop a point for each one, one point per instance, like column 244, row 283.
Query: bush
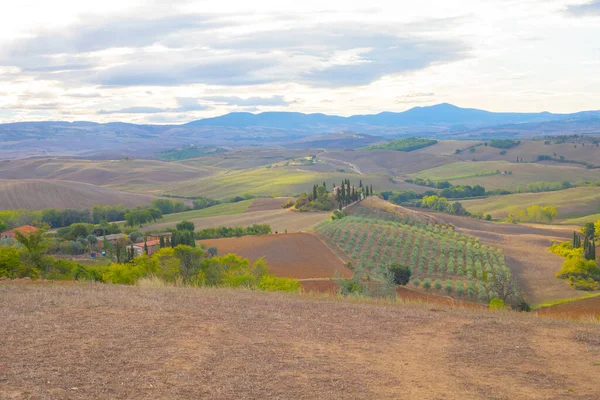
column 416, row 282
column 399, row 274
column 427, row 284
column 448, row 287
column 460, row 289
column 438, row 284
column 496, row 304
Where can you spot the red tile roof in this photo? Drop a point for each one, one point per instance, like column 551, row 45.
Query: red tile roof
column 26, row 229
column 149, row 243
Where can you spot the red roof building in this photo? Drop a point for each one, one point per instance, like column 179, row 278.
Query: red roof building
column 26, row 230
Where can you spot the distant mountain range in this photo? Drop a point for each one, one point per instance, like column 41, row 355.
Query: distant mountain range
column 280, row 129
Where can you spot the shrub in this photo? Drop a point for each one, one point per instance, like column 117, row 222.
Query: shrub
column 416, row 282
column 496, row 304
column 438, row 284
column 460, row 289
column 427, row 284
column 400, row 274
column 448, row 287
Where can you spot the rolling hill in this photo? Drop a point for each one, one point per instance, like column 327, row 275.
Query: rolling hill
column 89, row 139
column 36, row 194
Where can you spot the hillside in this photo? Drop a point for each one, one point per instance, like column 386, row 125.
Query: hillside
column 570, row 203
column 36, row 194
column 83, row 341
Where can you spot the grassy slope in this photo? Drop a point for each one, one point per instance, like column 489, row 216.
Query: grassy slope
column 483, row 173
column 176, row 343
column 570, row 203
column 280, row 181
column 219, row 209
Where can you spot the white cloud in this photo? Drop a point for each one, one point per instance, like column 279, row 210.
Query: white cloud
column 144, row 61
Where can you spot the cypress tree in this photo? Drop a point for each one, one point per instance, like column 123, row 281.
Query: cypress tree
column 162, row 242
column 371, row 190
column 174, row 239
column 360, row 184
column 145, row 247
column 314, row 192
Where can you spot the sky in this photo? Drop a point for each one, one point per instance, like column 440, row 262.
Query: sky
column 159, row 63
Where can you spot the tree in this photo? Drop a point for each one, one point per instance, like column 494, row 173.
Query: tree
column 185, row 226
column 162, row 242
column 399, row 274
column 502, row 285
column 92, row 241
column 145, row 247
column 576, row 240
column 589, row 230
column 315, row 192
column 35, row 248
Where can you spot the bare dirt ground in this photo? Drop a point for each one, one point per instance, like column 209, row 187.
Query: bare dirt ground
column 295, row 255
column 85, row 341
column 526, row 251
column 36, row 194
column 267, row 204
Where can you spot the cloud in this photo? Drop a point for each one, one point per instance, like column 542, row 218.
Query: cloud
column 248, row 102
column 185, row 52
column 185, row 104
column 584, row 10
column 133, row 110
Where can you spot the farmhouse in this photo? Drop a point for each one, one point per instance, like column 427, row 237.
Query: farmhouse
column 157, row 236
column 112, row 239
column 10, row 235
column 153, row 246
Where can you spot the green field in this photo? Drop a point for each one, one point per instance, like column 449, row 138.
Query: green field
column 270, row 182
column 571, row 203
column 582, row 220
column 219, row 209
column 485, row 173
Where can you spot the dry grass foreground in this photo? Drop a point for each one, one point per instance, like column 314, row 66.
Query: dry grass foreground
column 85, row 341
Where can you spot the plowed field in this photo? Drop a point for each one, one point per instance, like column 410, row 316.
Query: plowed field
column 297, row 255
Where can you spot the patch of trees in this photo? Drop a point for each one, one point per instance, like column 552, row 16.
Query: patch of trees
column 95, row 215
column 236, row 231
column 320, row 199
column 438, row 203
column 187, row 152
column 562, row 159
column 429, row 200
column 406, row 144
column 204, row 202
column 193, row 266
column 581, row 267
column 504, row 143
column 533, row 213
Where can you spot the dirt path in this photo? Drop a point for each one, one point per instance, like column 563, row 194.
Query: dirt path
column 106, row 341
column 353, row 166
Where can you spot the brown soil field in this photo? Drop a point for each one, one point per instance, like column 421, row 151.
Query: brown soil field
column 36, row 194
column 280, row 220
column 575, row 309
column 106, row 172
column 267, row 204
column 85, row 341
column 390, row 162
column 526, row 252
column 530, row 149
column 293, row 255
